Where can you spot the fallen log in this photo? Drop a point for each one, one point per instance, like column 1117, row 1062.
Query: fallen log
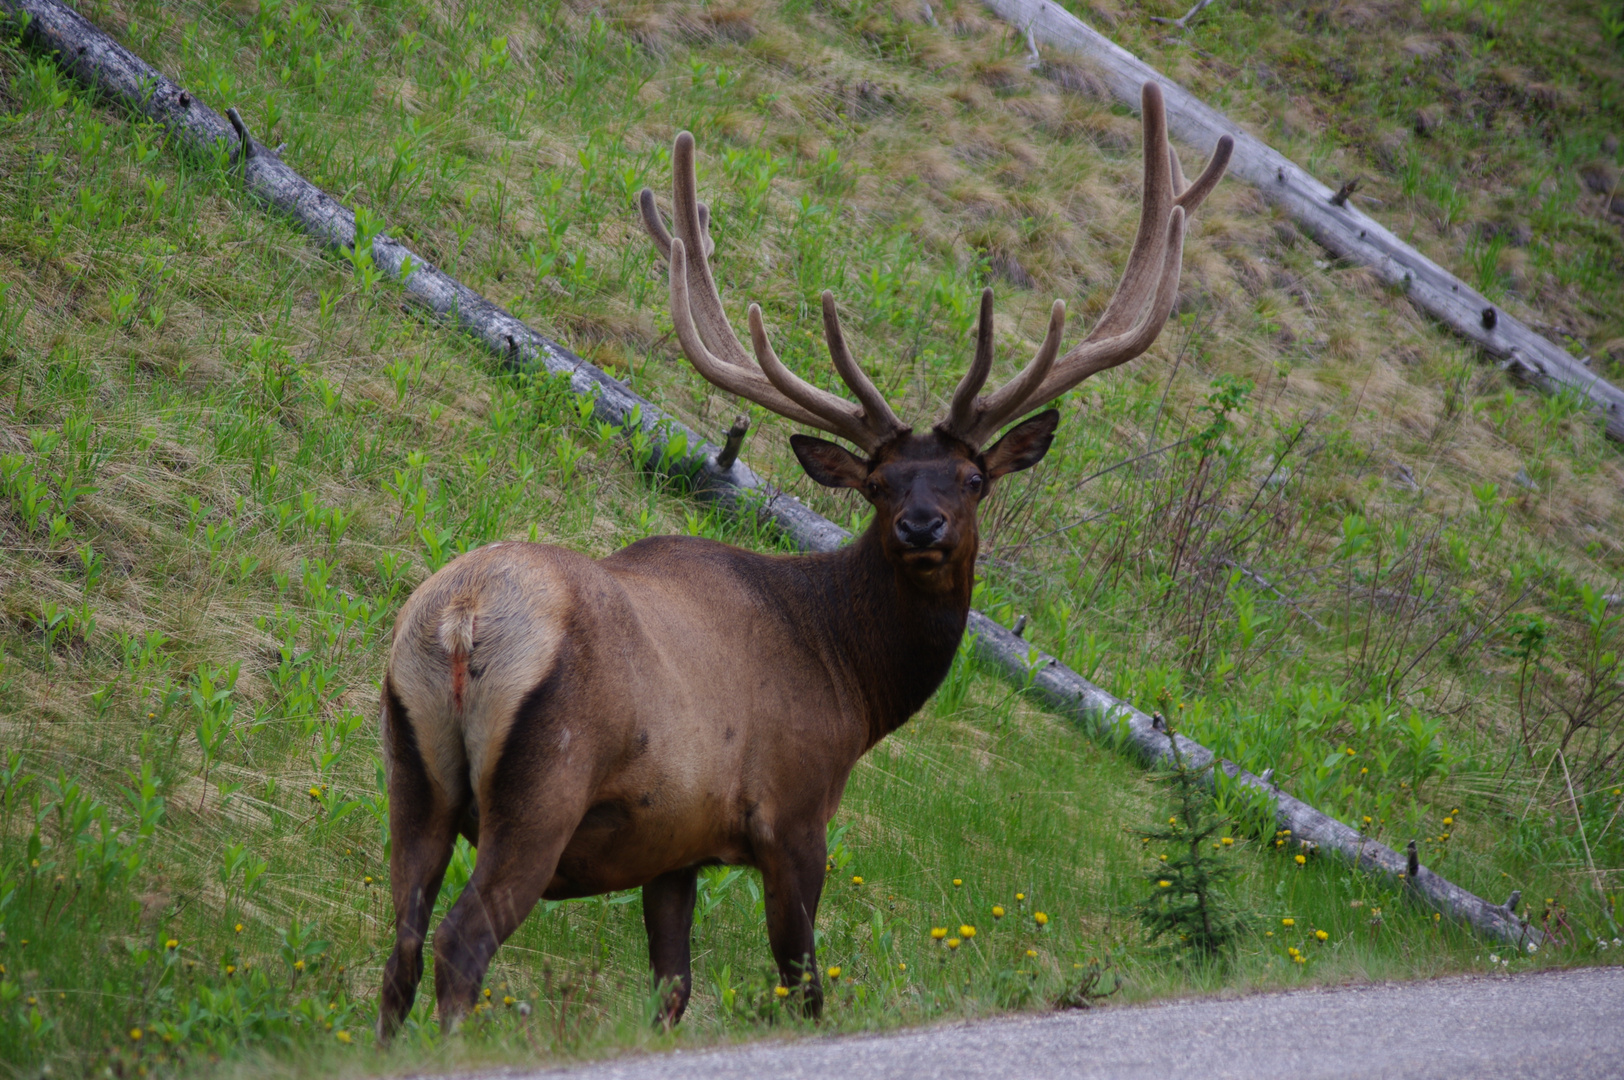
column 101, row 62
column 1328, row 216
column 1110, row 719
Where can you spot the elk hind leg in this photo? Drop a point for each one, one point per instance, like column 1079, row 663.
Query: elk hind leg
column 515, row 864
column 668, row 916
column 422, row 832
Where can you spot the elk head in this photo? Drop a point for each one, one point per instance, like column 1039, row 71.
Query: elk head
column 925, row 488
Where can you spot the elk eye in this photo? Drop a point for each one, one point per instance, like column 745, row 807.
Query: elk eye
column 974, row 483
column 874, row 488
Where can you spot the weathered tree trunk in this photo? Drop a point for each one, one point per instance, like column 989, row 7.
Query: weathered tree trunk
column 101, row 62
column 1340, row 228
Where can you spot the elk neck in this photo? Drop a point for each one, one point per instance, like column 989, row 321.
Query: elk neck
column 893, row 640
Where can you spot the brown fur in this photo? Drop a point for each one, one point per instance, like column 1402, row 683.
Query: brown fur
column 618, row 723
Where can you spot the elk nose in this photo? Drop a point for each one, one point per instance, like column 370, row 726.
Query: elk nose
column 921, row 533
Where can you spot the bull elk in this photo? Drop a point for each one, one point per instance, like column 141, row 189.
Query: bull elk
column 594, row 725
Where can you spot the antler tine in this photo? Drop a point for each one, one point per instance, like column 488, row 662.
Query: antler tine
column 746, row 382
column 1140, row 306
column 709, row 343
column 692, row 221
column 1176, row 171
column 877, row 416
column 1197, row 192
column 652, row 222
column 704, row 229
column 1013, row 397
column 1096, row 354
column 962, row 413
column 1145, row 258
column 837, row 416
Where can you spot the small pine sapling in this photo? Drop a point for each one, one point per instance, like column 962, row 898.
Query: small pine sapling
column 1186, row 903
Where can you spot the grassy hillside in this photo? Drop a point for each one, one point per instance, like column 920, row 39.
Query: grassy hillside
column 1312, row 527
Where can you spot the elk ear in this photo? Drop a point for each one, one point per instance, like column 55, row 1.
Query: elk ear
column 1022, row 446
column 828, row 463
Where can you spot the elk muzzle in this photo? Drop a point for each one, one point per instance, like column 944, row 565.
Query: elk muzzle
column 919, row 531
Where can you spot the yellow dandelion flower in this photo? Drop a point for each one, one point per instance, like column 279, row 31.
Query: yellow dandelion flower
column 806, row 976
column 342, row 1036
column 315, row 793
column 1367, row 819
column 953, row 942
column 298, row 965
column 1227, row 841
column 957, row 882
column 967, row 931
column 938, row 932
column 1162, row 857
column 1268, row 933
column 1291, row 950
column 1172, row 821
column 1322, row 935
column 902, row 967
column 508, row 999
column 1040, row 918
column 135, row 1034
column 487, row 992
column 1348, row 750
column 1436, row 917
column 231, row 969
column 1164, row 883
column 1300, row 959
column 781, row 991
column 1020, row 896
column 237, row 928
column 1449, row 821
column 834, row 972
column 1302, row 860
column 367, row 879
column 997, row 912
column 172, row 944
column 1288, row 922
column 1031, row 954
column 857, row 879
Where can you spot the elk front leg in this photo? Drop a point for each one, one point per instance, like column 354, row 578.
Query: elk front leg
column 668, row 916
column 792, row 877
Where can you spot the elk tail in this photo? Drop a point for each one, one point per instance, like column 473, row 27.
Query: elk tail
column 457, row 639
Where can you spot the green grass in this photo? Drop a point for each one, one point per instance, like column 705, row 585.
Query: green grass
column 226, row 460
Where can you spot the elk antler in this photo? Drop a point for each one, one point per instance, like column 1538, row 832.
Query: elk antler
column 1142, row 302
column 714, row 350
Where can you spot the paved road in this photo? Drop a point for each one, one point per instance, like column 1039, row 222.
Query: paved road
column 1565, row 1025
